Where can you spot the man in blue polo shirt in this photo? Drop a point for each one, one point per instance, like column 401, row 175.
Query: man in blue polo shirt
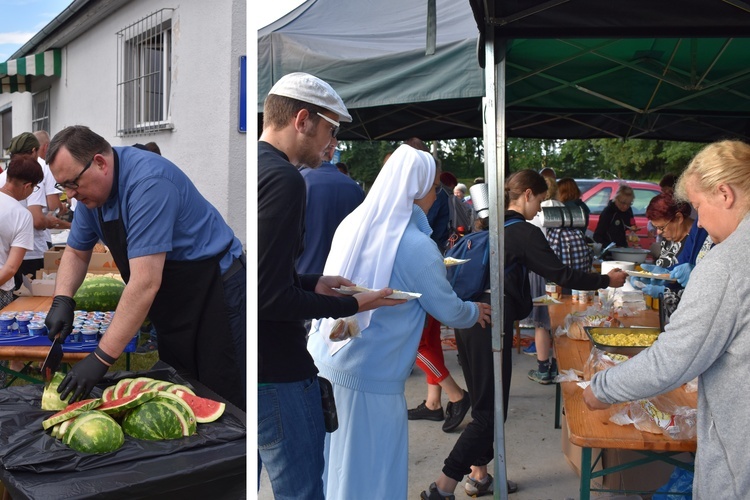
column 181, row 262
column 331, row 196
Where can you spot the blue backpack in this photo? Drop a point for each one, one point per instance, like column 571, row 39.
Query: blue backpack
column 471, row 279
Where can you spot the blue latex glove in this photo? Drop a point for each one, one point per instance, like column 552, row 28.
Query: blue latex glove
column 652, row 268
column 682, row 273
column 653, row 290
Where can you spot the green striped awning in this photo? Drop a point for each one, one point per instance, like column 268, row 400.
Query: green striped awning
column 15, row 74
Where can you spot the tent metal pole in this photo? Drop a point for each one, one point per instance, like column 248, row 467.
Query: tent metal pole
column 494, row 170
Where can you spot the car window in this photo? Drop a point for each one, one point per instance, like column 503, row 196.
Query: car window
column 584, row 185
column 642, row 199
column 599, row 200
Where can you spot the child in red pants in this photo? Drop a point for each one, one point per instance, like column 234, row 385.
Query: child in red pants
column 430, row 360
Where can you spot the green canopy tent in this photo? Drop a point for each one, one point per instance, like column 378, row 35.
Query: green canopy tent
column 672, row 69
column 574, row 69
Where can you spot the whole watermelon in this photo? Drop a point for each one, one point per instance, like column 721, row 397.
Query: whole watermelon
column 99, row 293
column 94, row 432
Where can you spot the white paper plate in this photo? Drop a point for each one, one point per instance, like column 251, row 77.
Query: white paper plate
column 450, row 261
column 646, row 274
column 397, row 294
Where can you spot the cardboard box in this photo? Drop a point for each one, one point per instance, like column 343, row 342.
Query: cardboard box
column 647, row 477
column 40, row 287
column 99, row 260
column 573, row 454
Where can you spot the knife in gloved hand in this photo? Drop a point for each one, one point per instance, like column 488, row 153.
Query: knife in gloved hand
column 53, row 359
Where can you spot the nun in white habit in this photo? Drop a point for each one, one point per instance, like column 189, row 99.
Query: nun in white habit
column 385, row 242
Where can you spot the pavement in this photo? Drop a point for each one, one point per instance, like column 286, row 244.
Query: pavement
column 533, row 448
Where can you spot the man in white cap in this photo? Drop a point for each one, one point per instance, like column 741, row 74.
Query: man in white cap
column 301, row 115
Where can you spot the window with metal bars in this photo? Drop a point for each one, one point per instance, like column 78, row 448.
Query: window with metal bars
column 144, row 65
column 40, row 111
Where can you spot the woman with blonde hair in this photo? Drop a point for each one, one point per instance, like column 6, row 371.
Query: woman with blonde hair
column 708, row 336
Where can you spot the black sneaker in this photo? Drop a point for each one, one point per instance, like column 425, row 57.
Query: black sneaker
column 421, row 412
column 544, row 378
column 455, row 413
column 433, row 494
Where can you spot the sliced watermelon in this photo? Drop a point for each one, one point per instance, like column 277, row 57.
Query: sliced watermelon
column 94, row 432
column 177, row 387
column 70, row 411
column 50, row 397
column 117, row 406
column 150, row 385
column 205, row 410
column 121, row 387
column 55, row 433
column 108, row 393
column 156, row 420
column 160, row 385
column 136, row 385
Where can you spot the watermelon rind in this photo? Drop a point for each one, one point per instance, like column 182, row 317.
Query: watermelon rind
column 94, row 432
column 135, row 386
column 154, row 421
column 50, row 397
column 70, row 411
column 99, row 293
column 184, row 408
column 205, row 410
column 160, row 385
column 108, row 393
column 178, row 387
column 151, row 385
column 64, row 427
column 55, row 432
column 185, row 417
column 121, row 387
column 118, row 406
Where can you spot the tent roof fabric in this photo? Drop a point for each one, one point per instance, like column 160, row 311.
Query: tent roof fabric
column 15, row 74
column 670, row 69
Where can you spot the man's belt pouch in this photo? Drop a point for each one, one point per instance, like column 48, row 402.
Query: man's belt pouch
column 330, row 417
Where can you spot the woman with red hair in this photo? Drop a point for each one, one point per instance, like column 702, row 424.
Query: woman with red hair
column 671, row 219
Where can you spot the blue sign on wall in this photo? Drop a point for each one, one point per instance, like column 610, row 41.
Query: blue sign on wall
column 242, row 126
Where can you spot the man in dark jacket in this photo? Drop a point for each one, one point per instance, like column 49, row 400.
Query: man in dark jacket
column 300, row 117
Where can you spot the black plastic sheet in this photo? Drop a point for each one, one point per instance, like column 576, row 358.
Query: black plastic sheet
column 36, row 465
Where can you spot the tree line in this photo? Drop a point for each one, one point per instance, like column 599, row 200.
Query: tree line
column 635, row 159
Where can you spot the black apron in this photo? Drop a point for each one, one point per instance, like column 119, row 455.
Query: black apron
column 188, row 312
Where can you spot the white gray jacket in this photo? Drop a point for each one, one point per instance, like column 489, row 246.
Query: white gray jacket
column 707, row 336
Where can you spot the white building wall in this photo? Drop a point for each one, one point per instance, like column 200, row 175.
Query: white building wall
column 207, row 39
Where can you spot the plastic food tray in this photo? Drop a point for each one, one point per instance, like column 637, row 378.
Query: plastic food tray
column 616, row 349
column 68, row 346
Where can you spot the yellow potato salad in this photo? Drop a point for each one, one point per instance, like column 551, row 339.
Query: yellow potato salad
column 626, row 339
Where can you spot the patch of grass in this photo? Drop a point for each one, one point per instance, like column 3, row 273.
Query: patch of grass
column 138, row 362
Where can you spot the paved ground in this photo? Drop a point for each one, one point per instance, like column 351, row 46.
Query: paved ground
column 533, row 453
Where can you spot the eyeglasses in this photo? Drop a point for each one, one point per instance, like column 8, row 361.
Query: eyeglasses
column 74, row 183
column 336, row 125
column 624, row 203
column 661, row 228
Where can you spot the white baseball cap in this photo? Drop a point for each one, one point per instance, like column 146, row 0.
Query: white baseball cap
column 308, row 88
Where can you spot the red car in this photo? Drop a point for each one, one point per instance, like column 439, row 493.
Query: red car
column 596, row 193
